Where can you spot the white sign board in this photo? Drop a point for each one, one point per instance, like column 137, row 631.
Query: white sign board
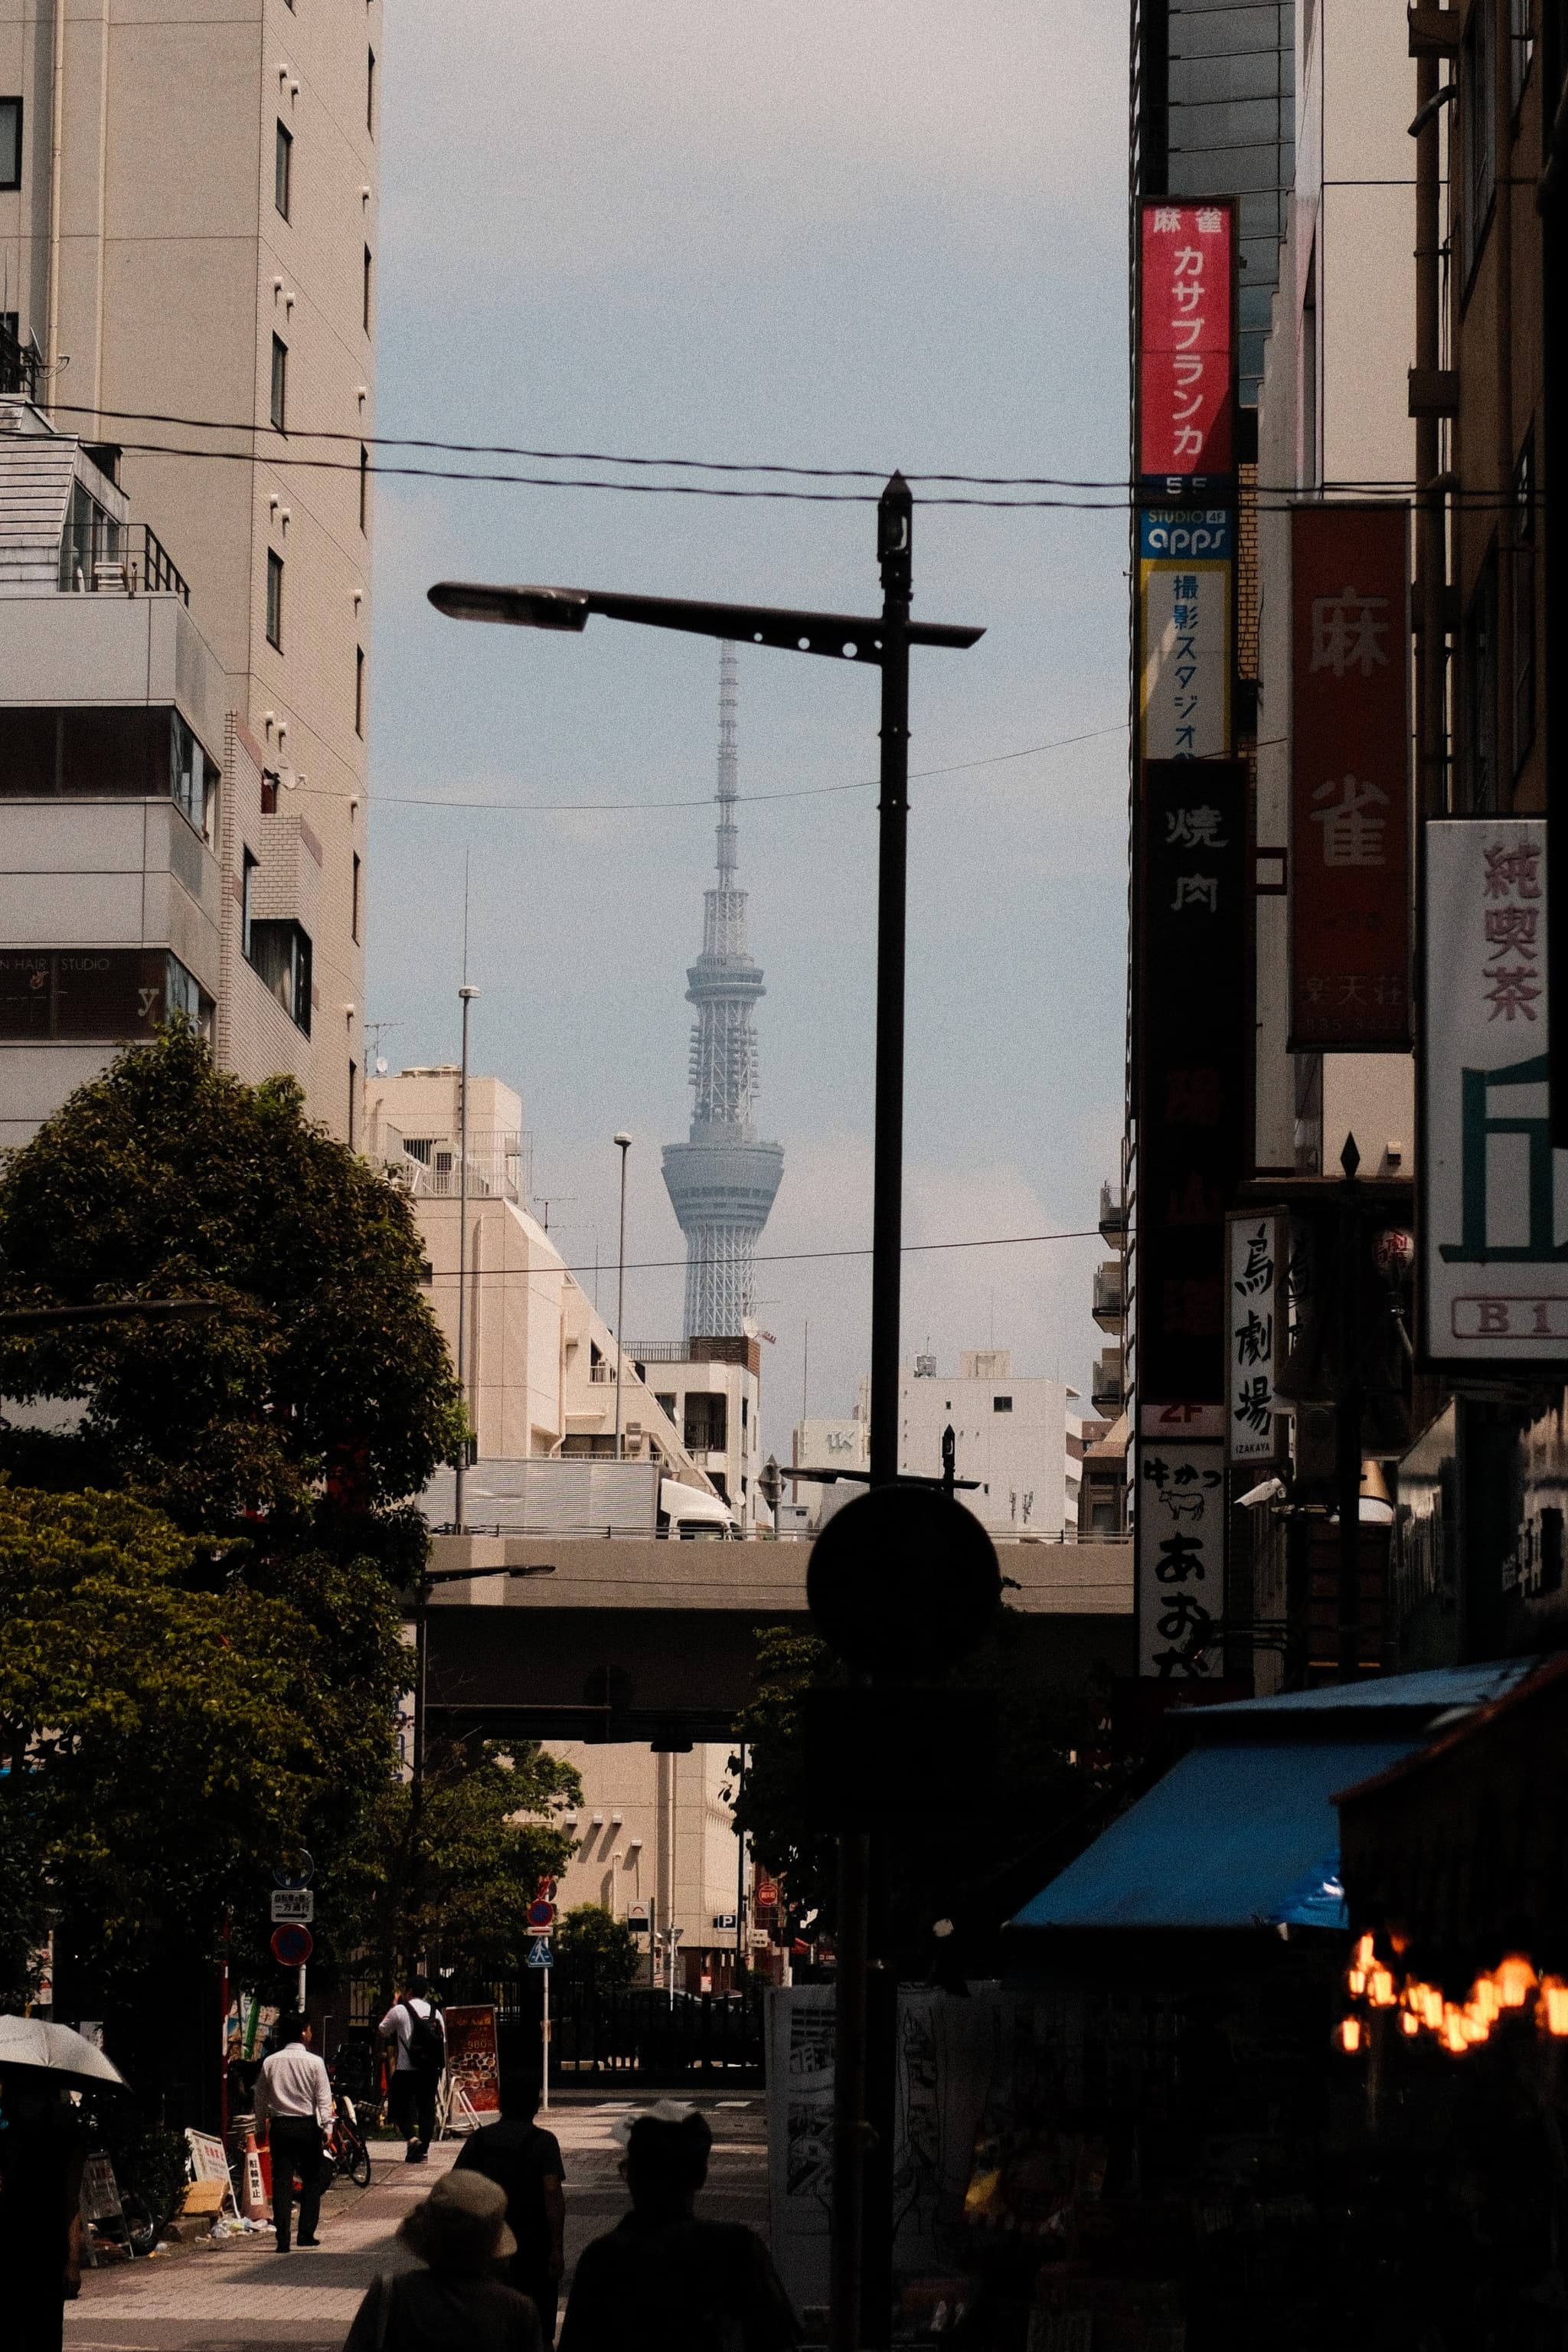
column 1179, row 1535
column 294, row 1905
column 1494, row 1228
column 1255, row 1300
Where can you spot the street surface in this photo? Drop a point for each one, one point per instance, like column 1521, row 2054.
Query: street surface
column 243, row 2294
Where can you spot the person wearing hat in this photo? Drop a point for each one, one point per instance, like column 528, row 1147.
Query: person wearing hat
column 663, row 2281
column 457, row 2302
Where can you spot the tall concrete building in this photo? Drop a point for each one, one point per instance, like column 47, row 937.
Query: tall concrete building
column 188, row 230
column 722, row 1181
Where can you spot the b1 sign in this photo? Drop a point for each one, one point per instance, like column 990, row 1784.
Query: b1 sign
column 1494, row 1259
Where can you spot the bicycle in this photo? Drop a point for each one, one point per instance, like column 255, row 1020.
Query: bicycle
column 350, row 2154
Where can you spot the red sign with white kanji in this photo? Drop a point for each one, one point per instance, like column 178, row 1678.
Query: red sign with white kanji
column 1349, row 821
column 1186, row 341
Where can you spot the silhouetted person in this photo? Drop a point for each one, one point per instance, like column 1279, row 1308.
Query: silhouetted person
column 43, row 2149
column 457, row 2302
column 664, row 2282
column 524, row 2160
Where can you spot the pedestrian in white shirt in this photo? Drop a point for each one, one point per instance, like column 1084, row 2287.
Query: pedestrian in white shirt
column 294, row 2112
column 415, row 2023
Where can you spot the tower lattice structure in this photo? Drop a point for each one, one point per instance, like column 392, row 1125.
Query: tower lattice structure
column 722, row 1181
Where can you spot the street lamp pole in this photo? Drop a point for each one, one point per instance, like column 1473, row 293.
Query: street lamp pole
column 467, row 994
column 624, row 1143
column 883, row 643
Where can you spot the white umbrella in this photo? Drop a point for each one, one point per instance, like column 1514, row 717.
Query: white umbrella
column 46, row 2049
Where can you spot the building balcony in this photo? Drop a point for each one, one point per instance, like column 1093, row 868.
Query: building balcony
column 1109, row 1309
column 432, row 1170
column 1114, row 1216
column 1107, row 1388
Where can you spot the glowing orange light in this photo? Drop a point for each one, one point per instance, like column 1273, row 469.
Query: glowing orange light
column 1486, row 2000
column 1515, row 1980
column 1350, row 2033
column 1552, row 2009
column 1380, row 1988
column 1409, row 2022
column 1365, row 1950
column 1454, row 2033
column 1356, row 1982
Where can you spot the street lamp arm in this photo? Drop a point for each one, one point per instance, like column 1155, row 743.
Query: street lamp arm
column 846, row 636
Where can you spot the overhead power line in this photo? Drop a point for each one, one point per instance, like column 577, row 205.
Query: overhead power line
column 779, row 1257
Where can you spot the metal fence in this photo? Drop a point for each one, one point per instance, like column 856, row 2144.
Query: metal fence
column 632, row 2036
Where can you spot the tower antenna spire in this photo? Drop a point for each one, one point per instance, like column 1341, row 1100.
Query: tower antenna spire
column 722, row 1181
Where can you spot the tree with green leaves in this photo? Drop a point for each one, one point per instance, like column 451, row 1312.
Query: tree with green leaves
column 160, row 1742
column 594, row 1947
column 449, row 1886
column 318, row 1400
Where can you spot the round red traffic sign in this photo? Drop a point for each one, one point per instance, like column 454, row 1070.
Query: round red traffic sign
column 541, row 1914
column 292, row 1944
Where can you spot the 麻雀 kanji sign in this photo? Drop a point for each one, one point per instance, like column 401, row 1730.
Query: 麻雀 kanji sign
column 1186, row 341
column 1349, row 795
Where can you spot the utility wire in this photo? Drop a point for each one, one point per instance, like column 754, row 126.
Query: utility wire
column 749, row 800
column 786, row 1257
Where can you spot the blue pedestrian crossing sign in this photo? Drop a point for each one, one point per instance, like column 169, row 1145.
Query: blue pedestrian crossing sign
column 540, row 1957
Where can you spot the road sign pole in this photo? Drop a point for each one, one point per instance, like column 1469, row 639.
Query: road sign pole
column 301, row 1988
column 544, row 2053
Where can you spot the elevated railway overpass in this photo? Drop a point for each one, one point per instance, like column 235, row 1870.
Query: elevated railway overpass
column 635, row 1638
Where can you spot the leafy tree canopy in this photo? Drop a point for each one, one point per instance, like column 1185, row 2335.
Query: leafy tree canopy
column 594, row 1945
column 449, row 1886
column 317, row 1401
column 161, row 1743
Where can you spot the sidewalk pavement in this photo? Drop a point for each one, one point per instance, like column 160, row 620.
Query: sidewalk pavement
column 242, row 2296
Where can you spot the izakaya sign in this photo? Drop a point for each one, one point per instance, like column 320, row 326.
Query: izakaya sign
column 1181, row 1551
column 1256, row 1293
column 1185, row 596
column 1186, row 342
column 1350, row 862
column 1494, row 1229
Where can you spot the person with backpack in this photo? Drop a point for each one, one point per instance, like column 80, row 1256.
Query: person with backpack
column 414, row 2023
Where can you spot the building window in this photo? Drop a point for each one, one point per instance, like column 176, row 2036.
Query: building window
column 667, row 1406
column 280, row 955
column 369, row 91
column 365, row 308
column 279, row 405
column 1477, row 90
column 1521, row 599
column 248, row 863
column 283, row 169
column 10, row 143
column 192, row 779
column 274, row 599
column 353, row 903
column 353, row 1100
column 363, row 487
column 1001, row 1405
column 107, row 995
column 359, row 689
column 1521, row 46
column 1480, row 686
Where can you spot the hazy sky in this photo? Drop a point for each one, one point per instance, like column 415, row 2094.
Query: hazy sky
column 864, row 233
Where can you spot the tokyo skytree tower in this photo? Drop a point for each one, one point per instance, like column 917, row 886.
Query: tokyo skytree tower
column 722, row 1181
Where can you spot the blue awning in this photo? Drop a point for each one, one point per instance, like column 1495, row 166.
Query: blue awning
column 1237, row 1834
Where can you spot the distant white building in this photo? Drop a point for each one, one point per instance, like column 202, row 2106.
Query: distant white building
column 709, row 1391
column 541, row 1362
column 1019, row 1439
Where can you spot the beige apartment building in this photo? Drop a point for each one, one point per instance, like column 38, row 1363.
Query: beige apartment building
column 188, row 230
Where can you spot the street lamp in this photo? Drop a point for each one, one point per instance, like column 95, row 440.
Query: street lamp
column 624, row 1144
column 882, row 644
column 467, row 994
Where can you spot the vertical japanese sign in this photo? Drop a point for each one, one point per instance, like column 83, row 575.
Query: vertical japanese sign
column 1257, row 1338
column 1351, row 828
column 1180, row 1512
column 1494, row 1227
column 1193, row 1048
column 1186, row 344
column 1184, row 605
